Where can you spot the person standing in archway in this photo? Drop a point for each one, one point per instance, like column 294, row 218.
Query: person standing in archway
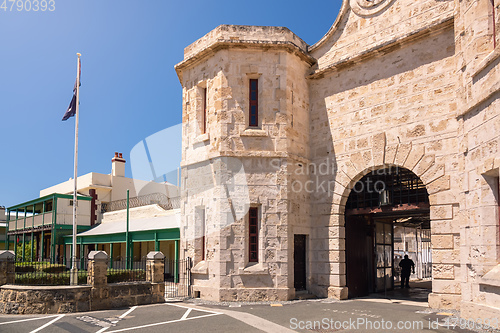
column 407, row 265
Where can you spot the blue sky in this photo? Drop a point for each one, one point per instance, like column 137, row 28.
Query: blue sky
column 129, row 88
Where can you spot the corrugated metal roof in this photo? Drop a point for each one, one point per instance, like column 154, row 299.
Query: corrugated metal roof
column 167, row 221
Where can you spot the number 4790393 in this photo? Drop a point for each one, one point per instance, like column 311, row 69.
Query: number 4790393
column 28, row 5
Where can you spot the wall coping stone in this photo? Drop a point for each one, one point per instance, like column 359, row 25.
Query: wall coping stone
column 19, row 287
column 7, row 254
column 98, row 255
column 492, row 278
column 155, row 255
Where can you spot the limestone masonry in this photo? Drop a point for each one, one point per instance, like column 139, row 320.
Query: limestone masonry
column 277, row 133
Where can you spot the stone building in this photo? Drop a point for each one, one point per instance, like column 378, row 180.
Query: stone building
column 46, row 223
column 300, row 160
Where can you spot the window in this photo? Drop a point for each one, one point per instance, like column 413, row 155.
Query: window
column 203, row 237
column 253, row 226
column 254, row 103
column 204, row 105
column 48, row 206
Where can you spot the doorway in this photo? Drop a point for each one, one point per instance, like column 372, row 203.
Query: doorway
column 299, row 262
column 359, row 255
column 384, row 204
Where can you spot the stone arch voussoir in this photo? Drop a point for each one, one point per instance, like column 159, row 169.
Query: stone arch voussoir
column 404, row 155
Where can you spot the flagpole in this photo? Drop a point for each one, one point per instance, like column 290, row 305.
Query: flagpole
column 74, row 270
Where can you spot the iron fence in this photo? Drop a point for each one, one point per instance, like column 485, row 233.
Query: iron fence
column 123, row 269
column 50, row 273
column 149, row 199
column 177, row 276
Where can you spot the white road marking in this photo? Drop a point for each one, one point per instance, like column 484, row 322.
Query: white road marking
column 48, row 324
column 163, row 323
column 257, row 322
column 121, row 317
column 22, row 320
column 186, row 314
column 192, row 307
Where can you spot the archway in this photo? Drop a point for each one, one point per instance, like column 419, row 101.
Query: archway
column 386, row 217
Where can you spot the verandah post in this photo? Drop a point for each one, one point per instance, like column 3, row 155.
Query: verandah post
column 24, row 236
column 43, row 232
column 32, row 228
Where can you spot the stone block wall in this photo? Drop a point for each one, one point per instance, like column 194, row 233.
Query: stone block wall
column 477, row 48
column 265, row 155
column 43, row 300
column 98, row 295
column 393, row 109
column 356, row 32
column 401, row 83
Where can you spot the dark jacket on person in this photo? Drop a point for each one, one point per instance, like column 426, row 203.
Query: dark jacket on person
column 406, row 266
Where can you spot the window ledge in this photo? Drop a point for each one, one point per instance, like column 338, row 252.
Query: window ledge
column 202, row 138
column 486, row 62
column 492, row 278
column 200, row 268
column 254, row 269
column 255, row 132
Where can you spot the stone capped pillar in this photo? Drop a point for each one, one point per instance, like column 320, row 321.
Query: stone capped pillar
column 97, row 269
column 155, row 267
column 7, row 267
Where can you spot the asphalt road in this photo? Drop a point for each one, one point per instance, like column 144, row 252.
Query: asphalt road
column 362, row 315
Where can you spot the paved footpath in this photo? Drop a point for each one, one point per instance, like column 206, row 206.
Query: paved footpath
column 324, row 315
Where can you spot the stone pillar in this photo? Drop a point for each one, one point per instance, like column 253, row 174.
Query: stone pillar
column 155, row 267
column 97, row 269
column 7, row 267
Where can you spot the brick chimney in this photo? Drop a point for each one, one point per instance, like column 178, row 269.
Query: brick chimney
column 118, row 165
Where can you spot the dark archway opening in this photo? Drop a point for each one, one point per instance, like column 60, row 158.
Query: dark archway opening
column 386, row 217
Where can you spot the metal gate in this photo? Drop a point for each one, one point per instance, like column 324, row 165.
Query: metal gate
column 177, row 276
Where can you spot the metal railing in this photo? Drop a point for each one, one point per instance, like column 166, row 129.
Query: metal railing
column 126, row 270
column 177, row 276
column 149, row 199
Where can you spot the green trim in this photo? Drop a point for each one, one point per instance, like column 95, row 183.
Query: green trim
column 47, row 197
column 157, row 242
column 42, row 236
column 53, row 231
column 79, row 228
column 24, row 237
column 32, row 228
column 7, row 241
column 135, row 236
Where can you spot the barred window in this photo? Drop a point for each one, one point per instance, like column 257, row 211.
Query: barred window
column 253, row 224
column 254, row 103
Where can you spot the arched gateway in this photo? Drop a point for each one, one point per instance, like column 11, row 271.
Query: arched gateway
column 386, row 217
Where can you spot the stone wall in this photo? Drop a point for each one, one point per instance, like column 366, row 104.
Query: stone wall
column 98, row 295
column 41, row 299
column 355, row 33
column 478, row 69
column 257, row 162
column 392, row 108
column 393, row 83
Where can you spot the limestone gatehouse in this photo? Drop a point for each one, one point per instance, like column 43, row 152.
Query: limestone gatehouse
column 305, row 166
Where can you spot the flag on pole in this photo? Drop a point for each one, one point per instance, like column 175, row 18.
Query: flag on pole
column 71, row 111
